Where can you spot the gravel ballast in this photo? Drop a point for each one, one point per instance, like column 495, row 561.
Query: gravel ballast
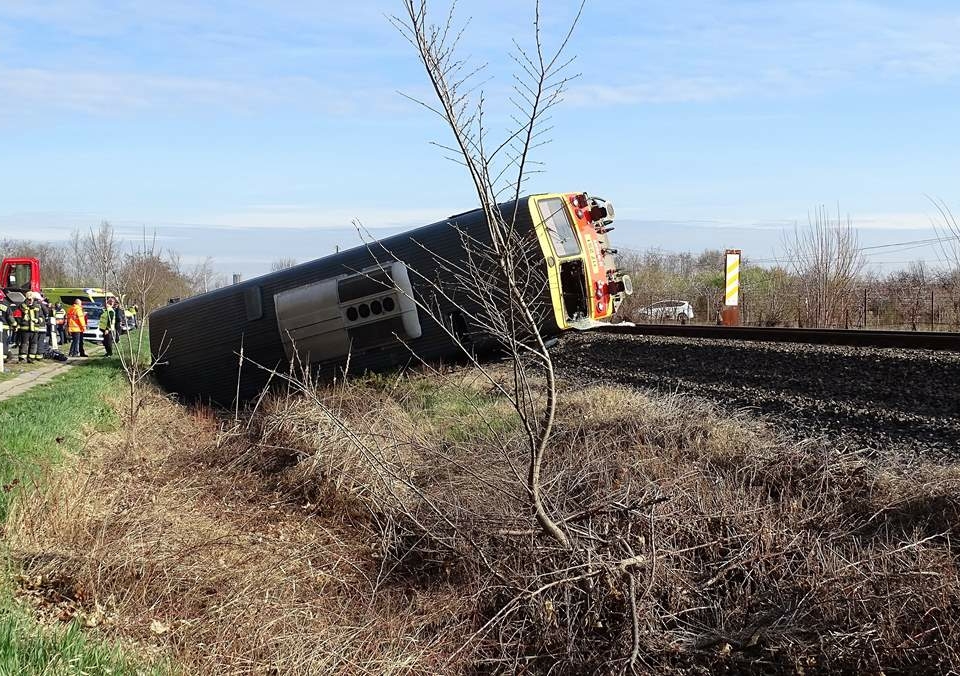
column 881, row 399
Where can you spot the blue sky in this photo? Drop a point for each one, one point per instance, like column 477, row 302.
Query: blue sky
column 253, row 130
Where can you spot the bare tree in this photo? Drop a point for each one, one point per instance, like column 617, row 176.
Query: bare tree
column 827, row 259
column 947, row 230
column 495, row 278
column 101, row 252
column 76, row 261
column 529, row 541
column 204, row 277
column 909, row 293
column 948, row 235
column 143, row 271
column 282, row 264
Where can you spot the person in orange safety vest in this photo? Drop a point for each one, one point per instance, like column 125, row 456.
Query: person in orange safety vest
column 76, row 325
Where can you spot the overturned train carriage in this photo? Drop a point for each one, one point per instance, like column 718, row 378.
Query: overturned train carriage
column 396, row 300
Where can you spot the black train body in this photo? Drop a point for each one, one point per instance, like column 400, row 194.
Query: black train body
column 392, row 302
column 356, row 305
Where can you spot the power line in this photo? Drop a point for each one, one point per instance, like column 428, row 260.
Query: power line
column 876, row 249
column 919, row 242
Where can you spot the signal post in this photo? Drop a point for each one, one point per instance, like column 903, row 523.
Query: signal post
column 730, row 313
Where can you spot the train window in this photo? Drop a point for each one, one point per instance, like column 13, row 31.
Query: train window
column 253, row 303
column 557, row 221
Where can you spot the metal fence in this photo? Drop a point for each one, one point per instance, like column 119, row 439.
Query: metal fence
column 922, row 308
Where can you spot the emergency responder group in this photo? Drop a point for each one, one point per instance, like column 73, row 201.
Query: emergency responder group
column 28, row 326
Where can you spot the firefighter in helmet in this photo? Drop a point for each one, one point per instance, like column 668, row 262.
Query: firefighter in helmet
column 31, row 323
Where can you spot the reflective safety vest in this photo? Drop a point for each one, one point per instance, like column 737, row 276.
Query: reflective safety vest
column 60, row 315
column 31, row 319
column 76, row 320
column 108, row 319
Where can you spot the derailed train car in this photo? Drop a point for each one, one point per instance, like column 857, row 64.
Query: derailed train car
column 368, row 305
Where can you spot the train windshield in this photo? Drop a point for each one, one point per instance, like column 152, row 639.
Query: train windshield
column 557, row 222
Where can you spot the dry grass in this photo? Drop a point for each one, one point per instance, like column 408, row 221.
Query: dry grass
column 183, row 548
column 393, row 537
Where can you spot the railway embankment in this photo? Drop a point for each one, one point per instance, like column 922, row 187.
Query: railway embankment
column 383, row 526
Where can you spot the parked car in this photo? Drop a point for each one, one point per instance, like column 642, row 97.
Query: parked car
column 93, row 332
column 679, row 310
column 129, row 321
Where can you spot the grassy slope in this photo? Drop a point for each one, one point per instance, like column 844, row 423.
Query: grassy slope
column 36, row 429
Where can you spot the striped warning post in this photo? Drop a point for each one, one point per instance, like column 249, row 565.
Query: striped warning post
column 732, row 295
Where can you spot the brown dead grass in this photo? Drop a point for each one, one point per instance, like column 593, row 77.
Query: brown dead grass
column 182, row 546
column 385, row 542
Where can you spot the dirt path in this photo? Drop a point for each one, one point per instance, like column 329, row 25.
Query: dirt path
column 26, row 381
column 27, row 376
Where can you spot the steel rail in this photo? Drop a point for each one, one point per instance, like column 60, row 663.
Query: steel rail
column 925, row 340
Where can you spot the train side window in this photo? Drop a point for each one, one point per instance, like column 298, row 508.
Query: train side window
column 253, row 302
column 557, row 221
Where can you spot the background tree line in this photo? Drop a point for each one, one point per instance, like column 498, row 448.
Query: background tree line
column 138, row 270
column 820, row 279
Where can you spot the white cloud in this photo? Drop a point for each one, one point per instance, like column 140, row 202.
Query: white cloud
column 305, row 216
column 699, row 51
column 104, row 93
column 678, row 90
column 893, row 221
column 174, row 226
column 113, row 92
column 876, row 222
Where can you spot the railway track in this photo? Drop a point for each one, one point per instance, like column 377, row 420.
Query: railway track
column 890, row 400
column 926, row 340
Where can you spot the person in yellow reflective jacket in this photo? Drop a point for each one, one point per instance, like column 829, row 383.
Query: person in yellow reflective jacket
column 32, row 323
column 60, row 314
column 107, row 325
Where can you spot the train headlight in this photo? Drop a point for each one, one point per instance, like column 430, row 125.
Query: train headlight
column 623, row 285
column 601, row 212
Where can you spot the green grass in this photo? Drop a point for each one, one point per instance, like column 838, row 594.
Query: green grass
column 135, row 347
column 462, row 414
column 37, row 427
column 29, row 648
column 36, row 430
